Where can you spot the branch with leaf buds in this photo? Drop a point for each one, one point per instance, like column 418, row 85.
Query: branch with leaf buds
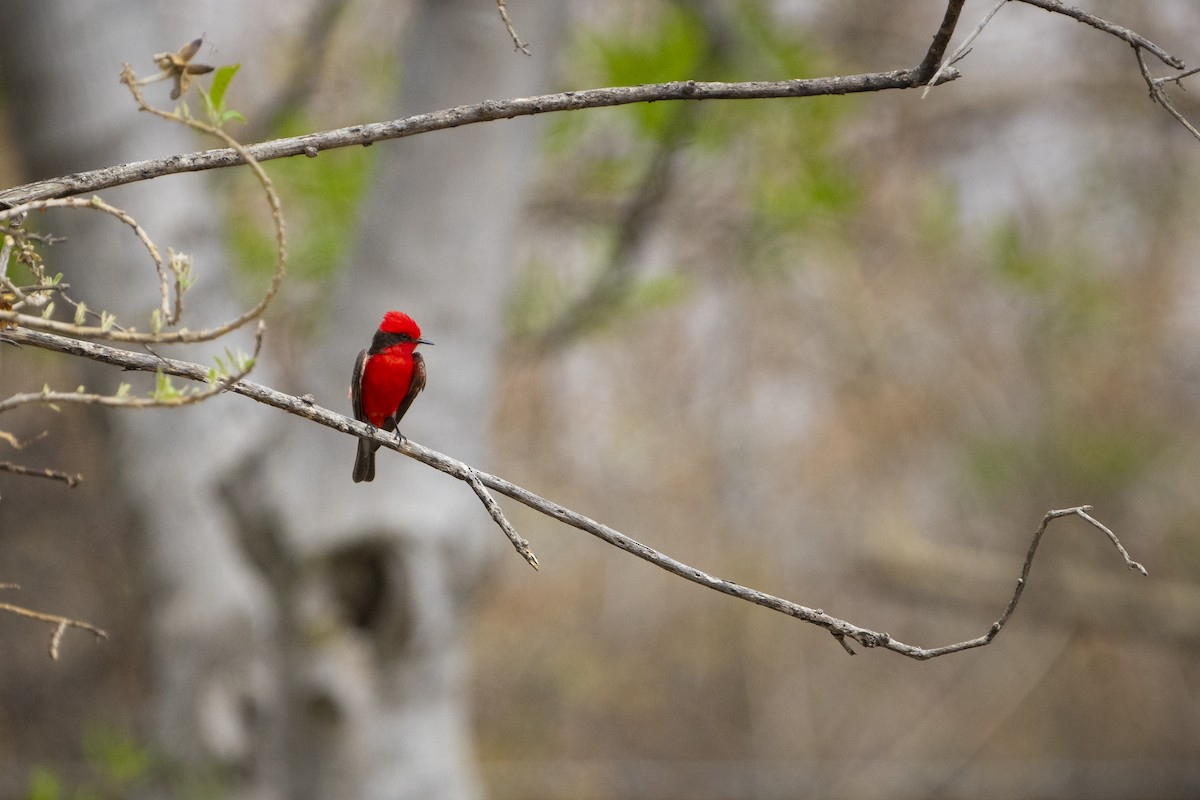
column 842, row 630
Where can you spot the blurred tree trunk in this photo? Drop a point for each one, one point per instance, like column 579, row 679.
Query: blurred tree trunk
column 307, row 630
column 383, row 569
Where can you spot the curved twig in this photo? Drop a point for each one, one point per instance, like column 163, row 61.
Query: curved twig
column 170, row 316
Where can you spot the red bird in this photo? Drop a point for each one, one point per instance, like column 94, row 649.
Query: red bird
column 387, row 378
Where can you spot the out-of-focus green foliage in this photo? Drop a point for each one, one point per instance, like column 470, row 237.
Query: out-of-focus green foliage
column 118, row 766
column 320, row 196
column 780, row 159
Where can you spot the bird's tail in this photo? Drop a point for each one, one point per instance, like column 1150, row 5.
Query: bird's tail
column 364, row 461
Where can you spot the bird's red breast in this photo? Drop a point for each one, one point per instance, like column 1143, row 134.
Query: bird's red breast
column 386, row 378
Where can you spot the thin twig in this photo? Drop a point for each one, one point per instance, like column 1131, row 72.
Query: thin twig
column 493, row 508
column 71, row 480
column 116, row 333
column 96, row 203
column 60, row 624
column 21, row 444
column 130, row 80
column 1176, row 78
column 222, row 383
column 303, row 407
column 1112, row 537
column 508, row 26
column 1159, row 95
column 962, row 47
column 941, row 40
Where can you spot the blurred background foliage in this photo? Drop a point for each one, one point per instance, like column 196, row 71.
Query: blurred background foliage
column 846, row 350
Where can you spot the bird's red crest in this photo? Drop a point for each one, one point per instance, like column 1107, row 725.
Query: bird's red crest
column 399, row 322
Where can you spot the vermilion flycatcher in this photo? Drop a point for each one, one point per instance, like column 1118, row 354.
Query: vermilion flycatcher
column 387, row 377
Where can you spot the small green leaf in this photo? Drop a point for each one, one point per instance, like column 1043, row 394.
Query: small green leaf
column 80, row 313
column 156, row 320
column 164, row 390
column 123, row 391
column 220, row 82
column 107, row 320
column 48, row 310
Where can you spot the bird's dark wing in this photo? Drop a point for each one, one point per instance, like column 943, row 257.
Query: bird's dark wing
column 356, row 387
column 414, row 388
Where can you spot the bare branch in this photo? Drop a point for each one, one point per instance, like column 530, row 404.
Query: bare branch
column 941, row 40
column 962, row 48
column 1135, row 39
column 304, row 407
column 487, row 111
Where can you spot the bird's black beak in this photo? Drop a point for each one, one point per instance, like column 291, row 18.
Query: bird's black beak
column 424, row 341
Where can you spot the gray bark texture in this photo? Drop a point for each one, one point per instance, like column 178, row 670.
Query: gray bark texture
column 306, row 631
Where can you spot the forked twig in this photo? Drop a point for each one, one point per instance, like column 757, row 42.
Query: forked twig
column 493, row 508
column 962, row 48
column 508, row 26
column 60, row 623
column 1159, row 95
column 1132, row 37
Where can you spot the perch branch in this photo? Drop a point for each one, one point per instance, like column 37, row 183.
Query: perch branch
column 304, row 407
